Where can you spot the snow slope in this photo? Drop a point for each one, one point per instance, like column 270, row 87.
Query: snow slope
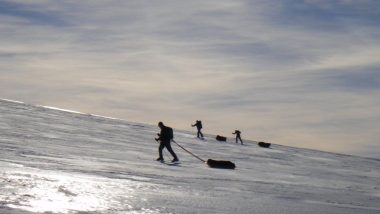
column 66, row 162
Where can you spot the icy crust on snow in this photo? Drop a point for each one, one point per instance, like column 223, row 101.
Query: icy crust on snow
column 36, row 190
column 57, row 161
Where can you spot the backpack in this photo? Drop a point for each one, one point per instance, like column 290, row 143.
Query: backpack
column 170, row 133
column 199, row 124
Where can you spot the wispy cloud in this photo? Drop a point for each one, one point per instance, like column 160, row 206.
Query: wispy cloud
column 30, row 13
column 302, row 73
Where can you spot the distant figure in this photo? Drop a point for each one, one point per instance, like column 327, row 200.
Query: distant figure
column 237, row 132
column 165, row 136
column 198, row 124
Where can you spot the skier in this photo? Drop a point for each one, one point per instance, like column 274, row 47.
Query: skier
column 237, row 132
column 165, row 136
column 198, row 124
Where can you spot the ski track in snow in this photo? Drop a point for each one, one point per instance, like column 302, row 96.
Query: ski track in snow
column 61, row 161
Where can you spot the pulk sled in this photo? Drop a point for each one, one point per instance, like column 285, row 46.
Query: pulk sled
column 222, row 164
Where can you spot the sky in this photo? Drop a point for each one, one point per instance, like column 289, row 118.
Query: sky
column 297, row 73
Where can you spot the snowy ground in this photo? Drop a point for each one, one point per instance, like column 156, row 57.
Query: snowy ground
column 65, row 162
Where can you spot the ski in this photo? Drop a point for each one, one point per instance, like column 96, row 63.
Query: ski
column 169, row 163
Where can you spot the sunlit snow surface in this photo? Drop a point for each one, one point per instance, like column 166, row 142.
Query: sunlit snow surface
column 56, row 161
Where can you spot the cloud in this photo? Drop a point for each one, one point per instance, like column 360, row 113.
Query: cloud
column 31, row 14
column 301, row 73
column 327, row 15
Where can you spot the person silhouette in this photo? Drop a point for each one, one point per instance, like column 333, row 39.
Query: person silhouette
column 164, row 137
column 237, row 132
column 198, row 124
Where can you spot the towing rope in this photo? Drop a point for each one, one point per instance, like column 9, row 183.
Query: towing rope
column 189, row 152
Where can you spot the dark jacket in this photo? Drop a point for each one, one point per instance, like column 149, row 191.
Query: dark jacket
column 166, row 134
column 198, row 124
